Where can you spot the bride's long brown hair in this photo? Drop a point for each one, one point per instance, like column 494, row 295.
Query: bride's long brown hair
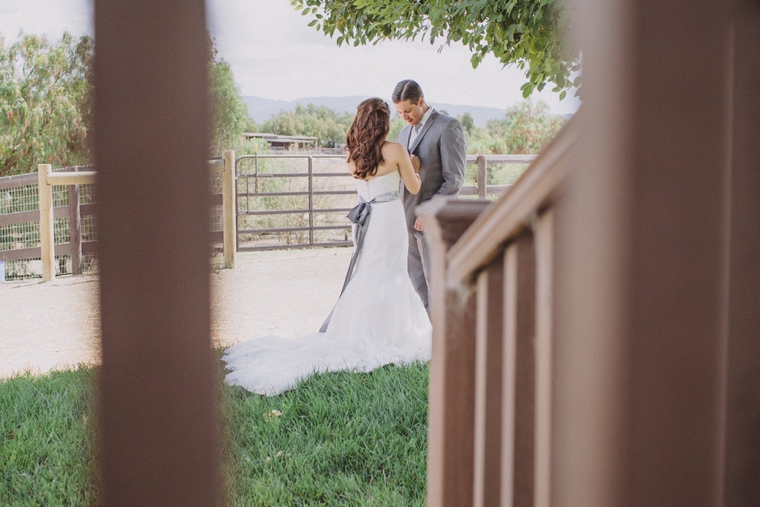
column 364, row 141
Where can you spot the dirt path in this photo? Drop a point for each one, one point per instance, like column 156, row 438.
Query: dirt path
column 47, row 326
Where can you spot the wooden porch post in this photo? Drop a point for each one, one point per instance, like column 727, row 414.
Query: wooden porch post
column 742, row 468
column 158, row 421
column 641, row 270
column 452, row 368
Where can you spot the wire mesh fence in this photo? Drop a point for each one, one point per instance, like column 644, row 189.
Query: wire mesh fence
column 20, row 256
column 20, row 230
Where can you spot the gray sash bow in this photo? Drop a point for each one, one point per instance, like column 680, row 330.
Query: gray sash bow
column 359, row 215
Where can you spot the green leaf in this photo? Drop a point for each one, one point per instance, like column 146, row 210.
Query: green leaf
column 517, row 32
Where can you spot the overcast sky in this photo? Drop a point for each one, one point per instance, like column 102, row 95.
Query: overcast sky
column 274, row 55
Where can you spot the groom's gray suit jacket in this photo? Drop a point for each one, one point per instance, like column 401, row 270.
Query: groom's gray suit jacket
column 441, row 149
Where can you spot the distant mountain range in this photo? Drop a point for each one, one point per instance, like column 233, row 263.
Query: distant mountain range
column 261, row 109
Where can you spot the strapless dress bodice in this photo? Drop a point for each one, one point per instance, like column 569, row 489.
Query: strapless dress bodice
column 379, row 185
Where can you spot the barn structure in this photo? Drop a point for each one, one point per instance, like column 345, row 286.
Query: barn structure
column 282, row 141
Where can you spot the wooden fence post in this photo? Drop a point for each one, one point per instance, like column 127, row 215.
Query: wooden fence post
column 75, row 227
column 482, row 176
column 229, row 208
column 47, row 241
column 452, row 367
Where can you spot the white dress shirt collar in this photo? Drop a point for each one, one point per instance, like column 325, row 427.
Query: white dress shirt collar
column 426, row 116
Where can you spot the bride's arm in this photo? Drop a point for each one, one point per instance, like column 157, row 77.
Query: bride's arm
column 409, row 173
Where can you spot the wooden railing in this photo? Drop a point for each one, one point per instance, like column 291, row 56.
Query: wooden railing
column 491, row 307
column 482, row 189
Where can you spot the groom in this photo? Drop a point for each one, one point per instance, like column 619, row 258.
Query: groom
column 438, row 141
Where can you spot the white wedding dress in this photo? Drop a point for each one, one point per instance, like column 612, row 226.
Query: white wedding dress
column 378, row 320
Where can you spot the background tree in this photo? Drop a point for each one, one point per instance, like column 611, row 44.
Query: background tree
column 397, row 123
column 467, row 121
column 525, row 129
column 528, row 33
column 45, row 102
column 328, row 126
column 230, row 114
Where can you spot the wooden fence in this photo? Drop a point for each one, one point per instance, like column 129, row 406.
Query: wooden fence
column 46, row 179
column 74, row 211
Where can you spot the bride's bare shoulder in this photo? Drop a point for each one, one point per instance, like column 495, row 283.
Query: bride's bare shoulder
column 391, row 149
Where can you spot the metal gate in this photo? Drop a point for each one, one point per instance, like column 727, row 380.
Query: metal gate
column 298, row 201
column 292, row 201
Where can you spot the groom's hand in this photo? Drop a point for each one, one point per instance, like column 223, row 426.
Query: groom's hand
column 416, row 163
column 418, row 225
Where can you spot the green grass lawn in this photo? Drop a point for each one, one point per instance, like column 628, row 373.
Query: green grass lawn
column 338, row 439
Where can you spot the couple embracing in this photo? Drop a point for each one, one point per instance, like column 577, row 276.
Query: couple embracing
column 381, row 315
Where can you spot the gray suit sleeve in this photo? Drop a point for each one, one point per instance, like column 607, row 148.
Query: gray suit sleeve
column 453, row 158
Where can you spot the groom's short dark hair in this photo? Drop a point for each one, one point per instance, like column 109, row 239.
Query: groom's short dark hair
column 407, row 90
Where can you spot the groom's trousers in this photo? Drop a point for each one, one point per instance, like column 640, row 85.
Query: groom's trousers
column 419, row 266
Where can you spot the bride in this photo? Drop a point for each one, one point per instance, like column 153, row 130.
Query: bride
column 379, row 319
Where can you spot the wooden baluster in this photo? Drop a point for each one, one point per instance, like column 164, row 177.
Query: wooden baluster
column 544, row 345
column 488, row 384
column 452, row 368
column 519, row 371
